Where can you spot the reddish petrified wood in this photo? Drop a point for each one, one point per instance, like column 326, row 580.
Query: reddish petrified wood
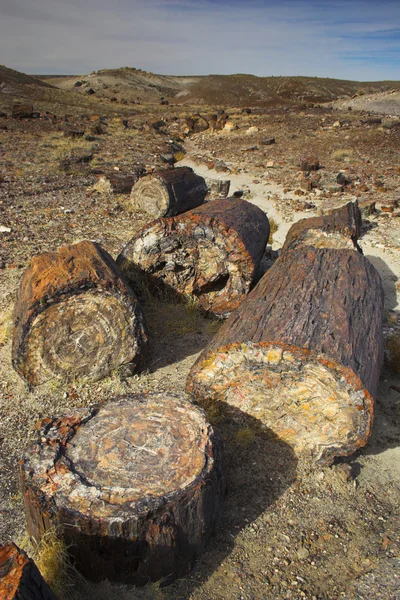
column 303, row 352
column 210, row 253
column 75, row 316
column 134, row 487
column 20, row 579
column 169, row 192
column 340, row 228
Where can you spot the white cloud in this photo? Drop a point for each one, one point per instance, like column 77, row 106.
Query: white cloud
column 341, row 39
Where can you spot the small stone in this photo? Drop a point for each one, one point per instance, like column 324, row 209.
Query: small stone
column 268, row 141
column 270, row 164
column 252, row 130
column 4, row 229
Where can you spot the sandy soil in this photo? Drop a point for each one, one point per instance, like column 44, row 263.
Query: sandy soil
column 289, row 530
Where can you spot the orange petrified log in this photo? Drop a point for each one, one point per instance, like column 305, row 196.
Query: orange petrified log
column 20, row 579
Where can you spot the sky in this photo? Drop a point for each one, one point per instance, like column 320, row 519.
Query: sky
column 345, row 39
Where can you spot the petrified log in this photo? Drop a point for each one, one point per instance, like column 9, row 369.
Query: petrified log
column 303, row 352
column 169, row 192
column 218, row 187
column 134, row 487
column 75, row 317
column 210, row 253
column 20, row 579
column 340, row 228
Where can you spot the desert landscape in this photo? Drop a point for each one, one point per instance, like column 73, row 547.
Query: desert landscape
column 71, row 147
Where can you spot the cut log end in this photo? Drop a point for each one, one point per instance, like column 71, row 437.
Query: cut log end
column 150, row 196
column 135, row 486
column 75, row 318
column 311, row 402
column 83, row 336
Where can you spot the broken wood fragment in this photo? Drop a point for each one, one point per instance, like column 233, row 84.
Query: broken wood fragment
column 169, row 192
column 75, row 317
column 134, row 487
column 210, row 253
column 20, row 579
column 340, row 228
column 303, row 352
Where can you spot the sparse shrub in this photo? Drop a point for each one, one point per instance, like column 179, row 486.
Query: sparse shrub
column 343, row 154
column 273, row 228
column 179, row 156
column 245, row 435
column 393, row 347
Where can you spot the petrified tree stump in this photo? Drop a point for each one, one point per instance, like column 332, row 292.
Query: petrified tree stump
column 340, row 228
column 135, row 486
column 75, row 317
column 20, row 579
column 303, row 352
column 169, row 192
column 210, row 253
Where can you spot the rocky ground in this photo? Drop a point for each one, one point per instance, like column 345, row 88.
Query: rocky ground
column 289, row 530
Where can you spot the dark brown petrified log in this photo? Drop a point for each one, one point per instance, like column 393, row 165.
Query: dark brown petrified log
column 340, row 228
column 303, row 352
column 169, row 192
column 134, row 487
column 210, row 253
column 20, row 579
column 75, row 317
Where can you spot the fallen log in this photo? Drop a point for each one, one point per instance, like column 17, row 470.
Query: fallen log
column 169, row 192
column 119, row 183
column 210, row 253
column 135, row 487
column 218, row 187
column 20, row 579
column 75, row 317
column 303, row 352
column 340, row 228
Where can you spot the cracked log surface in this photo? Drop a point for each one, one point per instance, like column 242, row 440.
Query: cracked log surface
column 75, row 317
column 169, row 192
column 20, row 579
column 303, row 352
column 135, row 486
column 340, row 228
column 210, row 253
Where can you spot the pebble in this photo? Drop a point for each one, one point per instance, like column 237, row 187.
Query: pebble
column 4, row 229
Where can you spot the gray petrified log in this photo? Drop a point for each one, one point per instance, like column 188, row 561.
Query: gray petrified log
column 168, row 192
column 20, row 579
column 134, row 487
column 75, row 317
column 210, row 253
column 303, row 352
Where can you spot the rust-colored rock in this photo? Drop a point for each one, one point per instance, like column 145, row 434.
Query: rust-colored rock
column 169, row 192
column 75, row 317
column 20, row 579
column 210, row 253
column 303, row 352
column 135, row 486
column 340, row 228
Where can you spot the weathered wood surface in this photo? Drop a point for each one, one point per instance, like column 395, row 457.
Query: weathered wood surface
column 119, row 183
column 303, row 352
column 20, row 579
column 210, row 253
column 135, row 486
column 169, row 192
column 218, row 187
column 340, row 228
column 75, row 316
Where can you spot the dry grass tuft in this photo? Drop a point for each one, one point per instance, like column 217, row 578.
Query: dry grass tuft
column 343, row 154
column 179, row 156
column 6, row 325
column 245, row 435
column 393, row 347
column 273, row 228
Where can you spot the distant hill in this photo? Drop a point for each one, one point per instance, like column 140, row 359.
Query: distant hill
column 12, row 81
column 220, row 90
column 249, row 90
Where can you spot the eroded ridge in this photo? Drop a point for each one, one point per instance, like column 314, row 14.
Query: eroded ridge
column 127, row 483
column 311, row 402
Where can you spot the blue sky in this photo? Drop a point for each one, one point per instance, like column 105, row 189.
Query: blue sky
column 353, row 39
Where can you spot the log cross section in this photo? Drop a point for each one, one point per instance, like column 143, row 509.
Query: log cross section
column 210, row 253
column 134, row 486
column 75, row 317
